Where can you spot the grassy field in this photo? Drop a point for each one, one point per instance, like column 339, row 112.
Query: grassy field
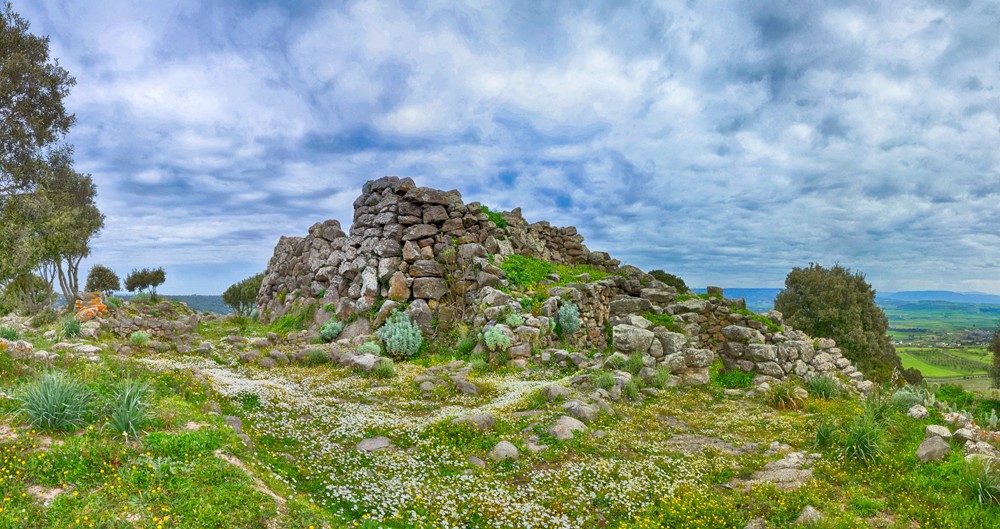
column 937, row 318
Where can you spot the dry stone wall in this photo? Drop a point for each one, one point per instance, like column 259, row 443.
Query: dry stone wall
column 428, row 251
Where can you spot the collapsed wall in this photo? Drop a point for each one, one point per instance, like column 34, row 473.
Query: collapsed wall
column 427, row 252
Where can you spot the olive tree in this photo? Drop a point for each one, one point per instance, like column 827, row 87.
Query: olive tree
column 102, row 279
column 242, row 296
column 836, row 303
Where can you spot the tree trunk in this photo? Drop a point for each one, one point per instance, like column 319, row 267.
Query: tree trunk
column 64, row 284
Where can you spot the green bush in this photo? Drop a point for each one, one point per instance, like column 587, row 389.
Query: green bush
column 670, row 280
column 466, row 345
column 864, row 439
column 147, row 278
column 605, row 380
column 384, row 368
column 956, row 395
column 877, row 407
column 315, row 357
column 661, row 379
column 369, row 348
column 495, row 339
column 9, row 333
column 55, row 402
column 70, row 327
column 331, row 330
column 129, row 408
column 139, row 338
column 735, row 379
column 44, row 317
column 141, row 297
column 823, row 386
column 114, row 302
column 514, row 320
column 904, row 399
column 663, row 320
column 630, row 390
column 634, row 363
column 568, row 319
column 401, row 337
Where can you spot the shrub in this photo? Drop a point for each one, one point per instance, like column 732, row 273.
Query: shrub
column 139, row 338
column 495, row 339
column 823, row 386
column 568, row 319
column 129, row 409
column 315, row 357
column 670, row 280
column 466, row 345
column 401, row 337
column 981, row 479
column 631, row 390
column 242, row 296
column 55, row 402
column 661, row 379
column 141, row 297
column 114, row 302
column 384, row 368
column 634, row 363
column 514, row 320
column 605, row 380
column 956, row 395
column 9, row 333
column 369, row 348
column 478, row 363
column 783, row 396
column 904, row 399
column 877, row 407
column 44, row 317
column 735, row 379
column 102, row 279
column 147, row 278
column 864, row 439
column 331, row 330
column 70, row 328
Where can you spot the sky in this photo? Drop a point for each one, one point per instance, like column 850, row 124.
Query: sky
column 725, row 142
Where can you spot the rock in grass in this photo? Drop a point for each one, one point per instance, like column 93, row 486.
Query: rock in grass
column 374, row 444
column 479, row 421
column 934, row 430
column 464, row 386
column 565, row 426
column 932, row 449
column 918, row 412
column 504, row 450
column 553, row 392
column 809, row 516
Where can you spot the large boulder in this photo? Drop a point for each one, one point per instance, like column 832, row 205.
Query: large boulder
column 629, row 339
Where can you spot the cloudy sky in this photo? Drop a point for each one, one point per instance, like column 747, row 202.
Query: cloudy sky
column 726, row 142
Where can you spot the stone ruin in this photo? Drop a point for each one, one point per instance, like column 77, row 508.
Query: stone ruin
column 427, row 252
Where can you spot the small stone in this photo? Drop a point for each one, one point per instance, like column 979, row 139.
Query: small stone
column 918, row 412
column 465, row 387
column 504, row 450
column 475, row 461
column 964, row 435
column 934, row 430
column 479, row 421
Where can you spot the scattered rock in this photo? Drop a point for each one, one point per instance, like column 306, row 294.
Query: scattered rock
column 932, row 449
column 933, row 430
column 504, row 450
column 918, row 412
column 374, row 444
column 479, row 421
column 809, row 516
column 565, row 426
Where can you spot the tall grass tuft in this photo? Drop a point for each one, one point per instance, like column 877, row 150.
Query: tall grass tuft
column 9, row 333
column 55, row 402
column 129, row 408
column 982, row 480
column 385, row 368
column 70, row 328
column 864, row 439
column 823, row 386
column 139, row 338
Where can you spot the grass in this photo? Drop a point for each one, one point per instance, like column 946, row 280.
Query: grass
column 305, row 420
column 55, row 402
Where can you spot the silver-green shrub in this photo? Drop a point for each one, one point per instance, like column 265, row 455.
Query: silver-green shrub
column 495, row 339
column 568, row 318
column 369, row 348
column 514, row 320
column 331, row 330
column 139, row 338
column 401, row 337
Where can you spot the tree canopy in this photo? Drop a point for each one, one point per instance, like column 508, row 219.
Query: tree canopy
column 242, row 296
column 47, row 210
column 147, row 278
column 669, row 279
column 102, row 279
column 836, row 303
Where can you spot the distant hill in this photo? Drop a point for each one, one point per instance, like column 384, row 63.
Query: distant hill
column 941, row 295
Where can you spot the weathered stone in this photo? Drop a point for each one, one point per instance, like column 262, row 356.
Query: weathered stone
column 672, row 342
column 630, row 305
column 918, row 412
column 426, row 268
column 932, row 449
column 553, row 392
column 762, row 352
column 426, row 195
column 504, row 450
column 698, row 357
column 565, row 426
column 809, row 516
column 629, row 339
column 738, row 333
column 419, row 231
column 659, row 296
column 479, row 421
column 399, row 289
column 420, row 314
column 429, row 288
